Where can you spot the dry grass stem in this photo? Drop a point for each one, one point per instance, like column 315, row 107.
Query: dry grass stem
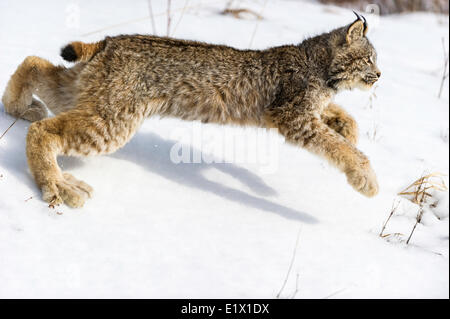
column 418, row 220
column 418, row 193
column 395, row 6
column 445, row 72
column 419, row 189
column 373, row 96
column 229, row 4
column 257, row 24
column 373, row 134
column 290, row 265
column 297, row 281
column 152, row 18
column 4, row 133
column 15, row 121
column 181, row 16
column 169, row 17
column 393, row 210
column 237, row 13
column 145, row 18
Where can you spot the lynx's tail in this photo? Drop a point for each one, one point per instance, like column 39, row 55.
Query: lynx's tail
column 81, row 52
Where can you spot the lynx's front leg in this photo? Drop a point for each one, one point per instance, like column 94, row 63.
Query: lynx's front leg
column 307, row 130
column 343, row 123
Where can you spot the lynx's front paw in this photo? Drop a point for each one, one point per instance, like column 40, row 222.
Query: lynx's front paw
column 69, row 190
column 363, row 179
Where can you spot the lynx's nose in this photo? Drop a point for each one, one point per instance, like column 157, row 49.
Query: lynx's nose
column 378, row 74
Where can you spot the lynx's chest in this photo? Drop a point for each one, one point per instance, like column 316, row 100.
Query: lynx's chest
column 324, row 98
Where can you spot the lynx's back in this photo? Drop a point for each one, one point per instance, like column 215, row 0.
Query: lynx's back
column 185, row 79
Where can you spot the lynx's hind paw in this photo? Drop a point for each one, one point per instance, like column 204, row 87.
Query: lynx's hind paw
column 69, row 190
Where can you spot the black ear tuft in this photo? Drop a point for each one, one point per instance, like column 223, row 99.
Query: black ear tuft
column 357, row 15
column 366, row 26
column 363, row 19
column 68, row 53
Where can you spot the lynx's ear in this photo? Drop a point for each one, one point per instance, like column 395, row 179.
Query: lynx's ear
column 355, row 31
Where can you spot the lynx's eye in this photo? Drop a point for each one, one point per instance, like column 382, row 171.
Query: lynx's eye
column 369, row 60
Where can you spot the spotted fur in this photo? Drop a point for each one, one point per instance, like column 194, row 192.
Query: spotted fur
column 120, row 81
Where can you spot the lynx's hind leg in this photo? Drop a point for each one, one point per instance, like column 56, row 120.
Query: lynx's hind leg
column 340, row 121
column 80, row 131
column 52, row 84
column 44, row 144
column 18, row 96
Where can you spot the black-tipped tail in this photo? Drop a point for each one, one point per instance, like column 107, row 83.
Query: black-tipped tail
column 68, row 53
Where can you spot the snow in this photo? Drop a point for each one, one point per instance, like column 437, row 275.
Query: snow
column 156, row 229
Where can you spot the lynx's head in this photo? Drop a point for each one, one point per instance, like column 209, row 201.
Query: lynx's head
column 354, row 59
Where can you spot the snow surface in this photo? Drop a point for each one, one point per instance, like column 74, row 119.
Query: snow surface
column 156, row 229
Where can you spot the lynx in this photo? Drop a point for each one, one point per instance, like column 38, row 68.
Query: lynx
column 100, row 102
